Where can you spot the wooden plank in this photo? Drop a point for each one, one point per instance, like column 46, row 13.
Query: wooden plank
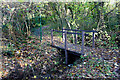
column 73, row 52
column 71, row 47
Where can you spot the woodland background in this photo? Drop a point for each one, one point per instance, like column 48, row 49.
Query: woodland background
column 21, row 30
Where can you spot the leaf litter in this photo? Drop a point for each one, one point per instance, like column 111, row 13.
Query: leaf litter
column 38, row 60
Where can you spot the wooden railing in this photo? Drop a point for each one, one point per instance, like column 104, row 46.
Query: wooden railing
column 93, row 44
column 76, row 33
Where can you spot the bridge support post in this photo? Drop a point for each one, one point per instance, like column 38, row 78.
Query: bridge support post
column 63, row 38
column 93, row 44
column 82, row 47
column 75, row 37
column 66, row 55
column 52, row 37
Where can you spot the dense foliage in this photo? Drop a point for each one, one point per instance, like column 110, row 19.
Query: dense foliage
column 21, row 20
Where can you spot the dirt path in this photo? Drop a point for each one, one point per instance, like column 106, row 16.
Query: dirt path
column 37, row 31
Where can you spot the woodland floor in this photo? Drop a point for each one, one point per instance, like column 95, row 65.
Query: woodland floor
column 38, row 60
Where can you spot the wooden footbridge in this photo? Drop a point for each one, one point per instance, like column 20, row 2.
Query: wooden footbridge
column 65, row 45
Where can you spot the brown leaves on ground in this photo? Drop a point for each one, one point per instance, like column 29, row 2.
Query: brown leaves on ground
column 39, row 60
column 96, row 65
column 34, row 56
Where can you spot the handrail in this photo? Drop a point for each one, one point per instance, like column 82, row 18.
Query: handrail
column 65, row 41
column 59, row 31
column 70, row 32
column 76, row 33
column 80, row 30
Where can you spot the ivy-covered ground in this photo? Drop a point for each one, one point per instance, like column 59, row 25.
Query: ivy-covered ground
column 38, row 60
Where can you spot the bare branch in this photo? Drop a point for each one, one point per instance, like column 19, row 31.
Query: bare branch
column 118, row 4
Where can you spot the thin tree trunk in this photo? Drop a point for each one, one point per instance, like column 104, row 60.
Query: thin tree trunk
column 102, row 17
column 119, row 16
column 68, row 23
column 26, row 27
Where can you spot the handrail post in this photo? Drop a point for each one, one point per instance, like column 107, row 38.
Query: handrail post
column 66, row 55
column 93, row 44
column 63, row 39
column 82, row 47
column 52, row 37
column 62, row 33
column 75, row 38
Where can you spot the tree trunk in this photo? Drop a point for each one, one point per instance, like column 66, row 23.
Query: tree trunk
column 67, row 21
column 119, row 16
column 101, row 22
column 102, row 16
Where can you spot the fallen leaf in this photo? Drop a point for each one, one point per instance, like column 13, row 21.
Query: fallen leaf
column 25, row 64
column 35, row 77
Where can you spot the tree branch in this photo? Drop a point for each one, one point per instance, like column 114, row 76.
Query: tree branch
column 112, row 9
